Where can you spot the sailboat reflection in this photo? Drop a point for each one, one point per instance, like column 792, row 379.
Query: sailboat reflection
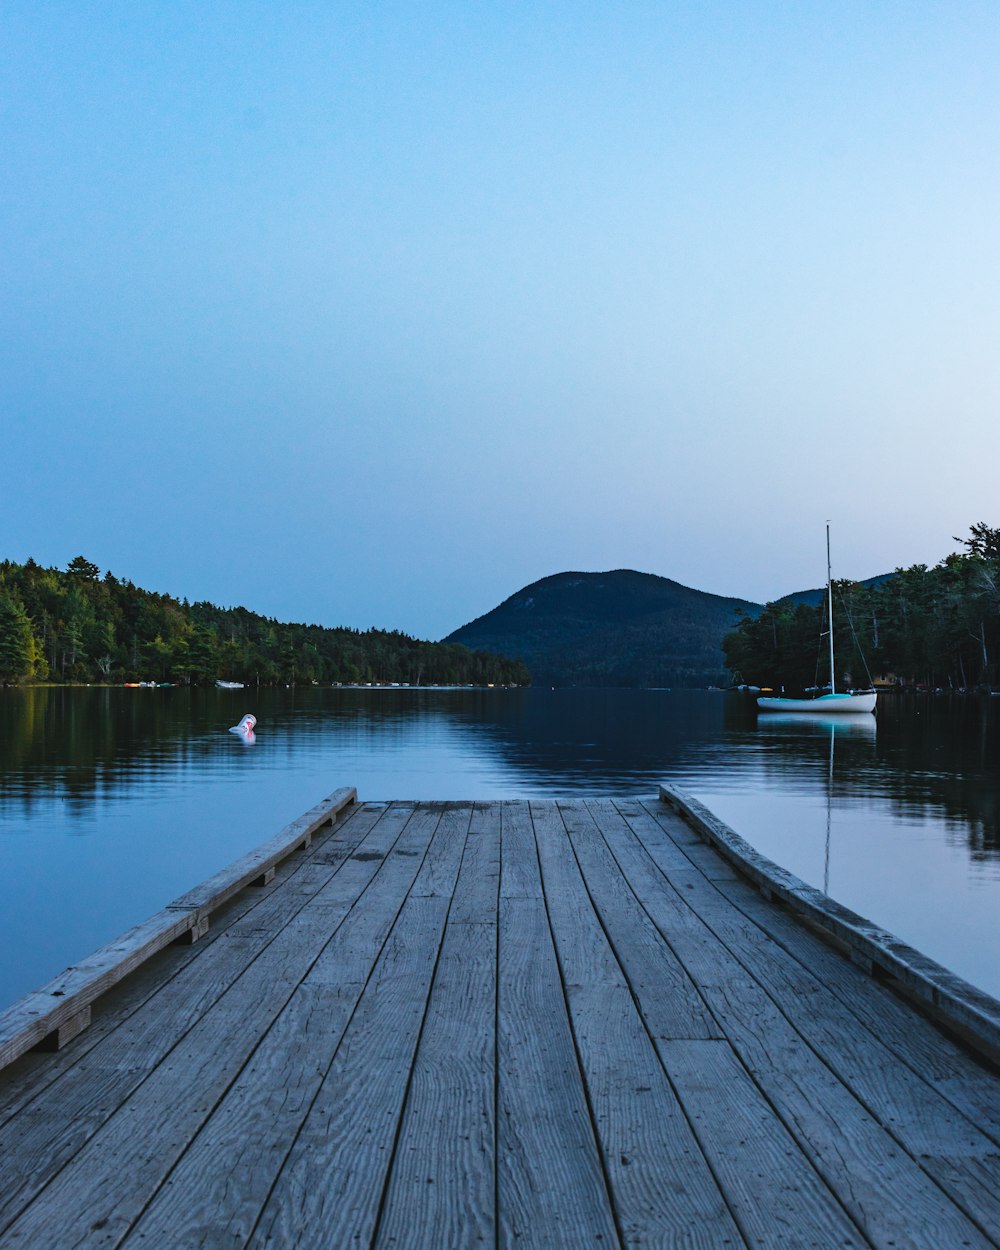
column 858, row 727
column 845, row 725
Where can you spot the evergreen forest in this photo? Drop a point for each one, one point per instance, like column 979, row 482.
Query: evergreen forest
column 77, row 626
column 936, row 627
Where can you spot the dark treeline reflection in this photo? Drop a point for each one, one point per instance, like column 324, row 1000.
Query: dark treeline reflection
column 926, row 756
column 76, row 744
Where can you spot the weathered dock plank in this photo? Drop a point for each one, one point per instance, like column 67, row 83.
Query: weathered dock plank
column 920, row 1119
column 663, row 1191
column 969, row 1086
column 741, row 1135
column 551, row 1189
column 550, row 1024
column 330, row 1188
column 132, row 1034
column 442, row 1182
column 659, row 982
column 258, row 1118
column 171, row 1091
column 857, row 1155
column 50, row 1016
column 961, row 1005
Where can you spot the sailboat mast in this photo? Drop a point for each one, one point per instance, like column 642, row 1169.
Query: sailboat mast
column 829, row 591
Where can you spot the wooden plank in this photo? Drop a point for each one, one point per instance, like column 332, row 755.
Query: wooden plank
column 475, row 900
column 661, row 1186
column 296, row 835
column 961, row 1078
column 330, row 1187
column 65, row 1033
column 551, row 1191
column 440, row 866
column 961, row 1005
column 518, row 860
column 27, row 1077
column 962, row 1160
column 672, row 1006
column 969, row 1086
column 442, row 1186
column 335, row 1050
column 143, row 1136
column 441, row 1190
column 255, row 1124
column 31, row 1019
column 35, row 1146
column 46, row 1011
column 884, row 1190
column 772, row 1188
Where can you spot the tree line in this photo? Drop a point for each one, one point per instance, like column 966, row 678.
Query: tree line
column 938, row 627
column 77, row 626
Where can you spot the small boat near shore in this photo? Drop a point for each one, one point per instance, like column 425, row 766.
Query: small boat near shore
column 849, row 701
column 863, row 701
column 229, row 685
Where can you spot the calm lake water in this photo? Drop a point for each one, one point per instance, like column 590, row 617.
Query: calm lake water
column 113, row 802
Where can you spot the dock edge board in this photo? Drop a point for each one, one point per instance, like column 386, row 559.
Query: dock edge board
column 48, row 1017
column 956, row 1004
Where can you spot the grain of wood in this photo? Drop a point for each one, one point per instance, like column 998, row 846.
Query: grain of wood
column 663, row 1191
column 82, row 1203
column 884, row 1190
column 966, row 1082
column 52, row 1012
column 33, row 1019
column 475, row 900
column 518, row 866
column 776, row 1194
column 948, row 1146
column 441, row 1188
column 770, row 1184
column 551, row 1192
column 331, row 1184
column 256, row 1122
column 86, row 1092
column 244, row 871
column 960, row 1005
column 27, row 1077
column 672, row 1006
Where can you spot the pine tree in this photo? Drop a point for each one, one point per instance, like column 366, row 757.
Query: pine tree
column 17, row 646
column 84, row 569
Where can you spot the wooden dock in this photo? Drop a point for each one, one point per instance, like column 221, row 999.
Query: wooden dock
column 444, row 1025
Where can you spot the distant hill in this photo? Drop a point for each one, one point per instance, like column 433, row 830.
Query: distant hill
column 812, row 597
column 620, row 628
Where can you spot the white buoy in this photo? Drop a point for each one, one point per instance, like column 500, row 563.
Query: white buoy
column 245, row 728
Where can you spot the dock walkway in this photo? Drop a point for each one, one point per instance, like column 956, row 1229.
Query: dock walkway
column 553, row 1024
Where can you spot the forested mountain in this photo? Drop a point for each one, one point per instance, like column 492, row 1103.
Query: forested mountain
column 620, row 628
column 932, row 626
column 77, row 626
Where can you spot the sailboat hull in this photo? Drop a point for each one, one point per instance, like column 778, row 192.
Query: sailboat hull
column 826, row 703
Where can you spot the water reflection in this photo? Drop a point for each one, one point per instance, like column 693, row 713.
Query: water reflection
column 920, row 755
column 828, row 731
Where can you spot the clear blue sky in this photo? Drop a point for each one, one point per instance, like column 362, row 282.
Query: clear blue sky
column 370, row 314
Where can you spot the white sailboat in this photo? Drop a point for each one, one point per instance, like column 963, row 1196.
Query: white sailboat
column 864, row 701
